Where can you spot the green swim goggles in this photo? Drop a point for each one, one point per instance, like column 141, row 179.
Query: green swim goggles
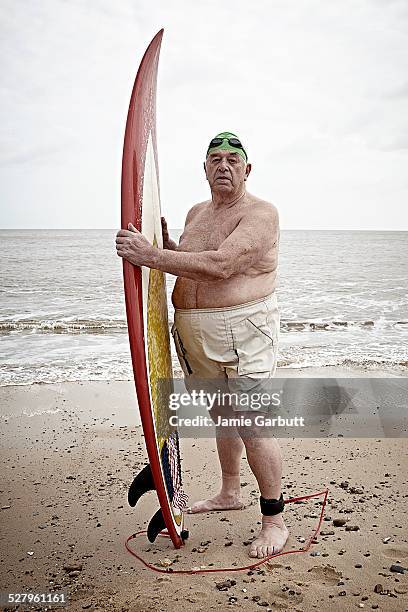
column 233, row 142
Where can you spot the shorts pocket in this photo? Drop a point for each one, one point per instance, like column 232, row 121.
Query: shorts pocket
column 261, row 325
column 255, row 346
column 181, row 352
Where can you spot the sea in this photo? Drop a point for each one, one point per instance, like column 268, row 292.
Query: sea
column 343, row 298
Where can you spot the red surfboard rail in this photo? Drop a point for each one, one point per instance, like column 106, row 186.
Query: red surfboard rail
column 141, row 121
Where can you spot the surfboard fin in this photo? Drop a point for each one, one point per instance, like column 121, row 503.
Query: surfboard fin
column 156, row 525
column 141, row 484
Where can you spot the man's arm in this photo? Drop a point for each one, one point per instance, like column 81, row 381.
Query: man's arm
column 246, row 245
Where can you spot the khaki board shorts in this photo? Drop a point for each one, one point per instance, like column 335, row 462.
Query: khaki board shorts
column 236, row 344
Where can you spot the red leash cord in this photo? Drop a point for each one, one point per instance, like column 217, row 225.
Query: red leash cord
column 169, row 570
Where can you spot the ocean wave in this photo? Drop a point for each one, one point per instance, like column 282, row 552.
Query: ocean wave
column 363, row 363
column 335, row 325
column 67, row 326
column 94, row 326
column 122, row 371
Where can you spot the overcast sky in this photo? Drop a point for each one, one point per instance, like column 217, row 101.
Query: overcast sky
column 317, row 91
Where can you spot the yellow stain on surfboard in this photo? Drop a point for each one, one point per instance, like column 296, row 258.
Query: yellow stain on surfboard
column 160, row 367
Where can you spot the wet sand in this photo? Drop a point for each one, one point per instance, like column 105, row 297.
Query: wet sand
column 69, row 452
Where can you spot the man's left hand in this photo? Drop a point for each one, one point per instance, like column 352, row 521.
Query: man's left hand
column 134, row 247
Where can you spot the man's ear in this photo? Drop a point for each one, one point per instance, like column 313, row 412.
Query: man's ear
column 247, row 171
column 205, row 171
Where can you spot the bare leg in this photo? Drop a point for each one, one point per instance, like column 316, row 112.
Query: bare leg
column 229, row 454
column 265, row 460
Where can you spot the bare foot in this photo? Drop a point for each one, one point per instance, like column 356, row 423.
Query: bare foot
column 218, row 502
column 271, row 539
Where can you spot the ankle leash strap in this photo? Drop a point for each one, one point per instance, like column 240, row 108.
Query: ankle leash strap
column 270, row 507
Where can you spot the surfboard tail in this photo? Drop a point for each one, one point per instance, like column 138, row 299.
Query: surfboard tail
column 142, row 484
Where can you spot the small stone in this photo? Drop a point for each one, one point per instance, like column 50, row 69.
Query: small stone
column 5, row 507
column 315, row 553
column 165, row 562
column 339, row 522
column 225, row 585
column 386, row 540
column 358, row 565
column 86, row 605
column 398, row 569
column 74, row 574
column 228, row 543
column 378, row 588
column 342, row 594
column 72, row 567
column 352, row 528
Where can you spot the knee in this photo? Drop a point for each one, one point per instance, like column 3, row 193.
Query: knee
column 251, row 438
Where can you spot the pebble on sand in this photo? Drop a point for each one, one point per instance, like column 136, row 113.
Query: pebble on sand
column 225, row 585
column 398, row 569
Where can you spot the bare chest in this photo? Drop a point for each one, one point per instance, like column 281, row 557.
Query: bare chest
column 207, row 234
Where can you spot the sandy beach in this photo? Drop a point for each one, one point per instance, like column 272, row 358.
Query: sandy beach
column 69, row 452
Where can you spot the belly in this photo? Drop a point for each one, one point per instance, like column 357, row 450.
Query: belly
column 219, row 294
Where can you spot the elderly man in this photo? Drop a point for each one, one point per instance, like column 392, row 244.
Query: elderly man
column 226, row 316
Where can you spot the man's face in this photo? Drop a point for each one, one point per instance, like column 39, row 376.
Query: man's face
column 226, row 171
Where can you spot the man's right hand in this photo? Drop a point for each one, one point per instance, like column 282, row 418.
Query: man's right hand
column 168, row 243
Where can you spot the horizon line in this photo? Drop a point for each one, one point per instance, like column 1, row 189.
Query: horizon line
column 294, row 229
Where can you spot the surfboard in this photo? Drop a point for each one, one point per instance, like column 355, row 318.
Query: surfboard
column 146, row 308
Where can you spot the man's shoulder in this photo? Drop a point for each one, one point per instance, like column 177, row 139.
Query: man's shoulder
column 263, row 207
column 196, row 209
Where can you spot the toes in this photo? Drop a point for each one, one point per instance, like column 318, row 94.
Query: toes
column 194, row 508
column 261, row 552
